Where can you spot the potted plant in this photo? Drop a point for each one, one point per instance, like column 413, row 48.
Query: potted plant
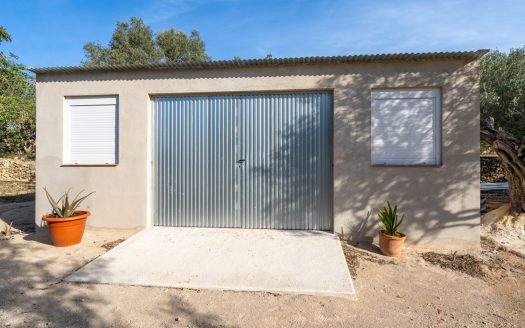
column 66, row 224
column 390, row 240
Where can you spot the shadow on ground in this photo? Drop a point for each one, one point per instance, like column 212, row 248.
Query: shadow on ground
column 17, row 205
column 31, row 288
column 33, row 293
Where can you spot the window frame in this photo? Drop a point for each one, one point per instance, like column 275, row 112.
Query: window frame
column 66, row 131
column 434, row 93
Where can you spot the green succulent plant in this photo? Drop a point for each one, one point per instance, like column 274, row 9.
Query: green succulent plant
column 63, row 207
column 390, row 219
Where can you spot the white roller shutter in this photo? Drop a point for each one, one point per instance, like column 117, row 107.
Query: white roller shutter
column 406, row 127
column 91, row 130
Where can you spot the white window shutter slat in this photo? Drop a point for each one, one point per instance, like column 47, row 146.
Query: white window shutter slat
column 91, row 130
column 406, row 127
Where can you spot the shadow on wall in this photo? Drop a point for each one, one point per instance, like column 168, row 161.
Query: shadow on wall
column 438, row 201
column 295, row 174
column 434, row 198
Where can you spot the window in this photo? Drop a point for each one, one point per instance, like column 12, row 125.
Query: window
column 91, row 130
column 406, row 127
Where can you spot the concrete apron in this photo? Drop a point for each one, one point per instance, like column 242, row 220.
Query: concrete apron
column 281, row 261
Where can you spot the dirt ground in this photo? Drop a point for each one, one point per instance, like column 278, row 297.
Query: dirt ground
column 505, row 229
column 420, row 289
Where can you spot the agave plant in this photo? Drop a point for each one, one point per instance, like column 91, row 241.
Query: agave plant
column 389, row 218
column 63, row 207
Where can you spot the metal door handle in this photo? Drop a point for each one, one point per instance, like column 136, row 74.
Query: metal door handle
column 241, row 161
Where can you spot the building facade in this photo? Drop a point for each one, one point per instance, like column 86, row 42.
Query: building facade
column 300, row 143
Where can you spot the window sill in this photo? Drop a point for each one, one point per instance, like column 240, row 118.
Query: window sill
column 88, row 165
column 406, row 165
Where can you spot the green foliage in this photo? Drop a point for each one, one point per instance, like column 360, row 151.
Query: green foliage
column 502, row 87
column 484, row 147
column 14, row 79
column 388, row 216
column 17, row 124
column 134, row 42
column 63, row 208
column 17, row 104
column 177, row 47
column 4, row 36
column 131, row 43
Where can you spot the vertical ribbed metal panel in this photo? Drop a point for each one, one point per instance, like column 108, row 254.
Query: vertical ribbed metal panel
column 194, row 156
column 285, row 181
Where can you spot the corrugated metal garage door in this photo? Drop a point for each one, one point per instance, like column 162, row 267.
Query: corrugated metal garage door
column 251, row 161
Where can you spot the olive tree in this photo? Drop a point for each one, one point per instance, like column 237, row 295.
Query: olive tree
column 502, row 86
column 17, row 104
column 134, row 42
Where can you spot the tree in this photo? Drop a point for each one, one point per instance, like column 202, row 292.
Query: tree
column 17, row 103
column 134, row 42
column 14, row 80
column 177, row 47
column 131, row 43
column 4, row 36
column 502, row 87
column 17, row 125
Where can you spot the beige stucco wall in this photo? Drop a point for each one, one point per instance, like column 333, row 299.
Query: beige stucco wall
column 441, row 203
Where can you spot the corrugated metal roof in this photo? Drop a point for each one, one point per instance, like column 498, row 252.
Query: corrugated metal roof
column 400, row 57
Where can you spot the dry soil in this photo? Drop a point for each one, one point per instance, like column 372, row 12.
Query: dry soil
column 415, row 290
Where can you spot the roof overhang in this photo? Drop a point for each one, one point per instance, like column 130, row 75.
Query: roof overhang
column 238, row 63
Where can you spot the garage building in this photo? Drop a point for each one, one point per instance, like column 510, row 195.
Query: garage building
column 293, row 143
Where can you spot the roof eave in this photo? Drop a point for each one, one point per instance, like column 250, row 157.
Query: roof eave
column 400, row 57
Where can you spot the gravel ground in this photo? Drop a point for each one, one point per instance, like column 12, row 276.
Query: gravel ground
column 409, row 291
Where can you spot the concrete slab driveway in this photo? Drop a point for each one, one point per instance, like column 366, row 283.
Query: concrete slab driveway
column 307, row 262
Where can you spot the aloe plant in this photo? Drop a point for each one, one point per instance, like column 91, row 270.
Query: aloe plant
column 63, row 208
column 390, row 219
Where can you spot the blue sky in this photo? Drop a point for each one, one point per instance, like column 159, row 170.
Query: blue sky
column 52, row 32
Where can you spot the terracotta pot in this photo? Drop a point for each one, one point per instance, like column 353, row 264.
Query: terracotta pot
column 66, row 231
column 390, row 245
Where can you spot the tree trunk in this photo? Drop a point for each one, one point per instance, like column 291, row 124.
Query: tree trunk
column 511, row 151
column 516, row 191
